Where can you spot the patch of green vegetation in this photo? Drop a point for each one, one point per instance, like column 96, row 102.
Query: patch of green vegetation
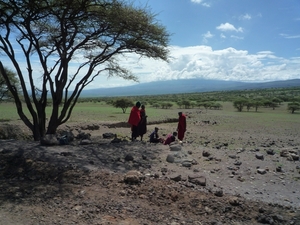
column 5, row 120
column 277, row 151
column 296, row 178
column 101, row 109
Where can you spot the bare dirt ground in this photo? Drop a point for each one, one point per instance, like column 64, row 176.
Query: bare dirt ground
column 217, row 176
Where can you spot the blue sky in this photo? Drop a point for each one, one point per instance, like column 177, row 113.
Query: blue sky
column 241, row 40
column 252, row 25
column 238, row 40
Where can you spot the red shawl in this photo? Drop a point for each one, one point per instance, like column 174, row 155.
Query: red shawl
column 134, row 117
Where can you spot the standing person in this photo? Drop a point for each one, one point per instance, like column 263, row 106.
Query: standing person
column 142, row 127
column 134, row 119
column 181, row 128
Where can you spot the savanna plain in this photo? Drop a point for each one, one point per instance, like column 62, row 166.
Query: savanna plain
column 232, row 168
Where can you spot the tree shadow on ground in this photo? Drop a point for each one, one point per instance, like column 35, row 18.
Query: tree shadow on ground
column 31, row 172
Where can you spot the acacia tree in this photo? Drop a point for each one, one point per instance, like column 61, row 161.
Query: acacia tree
column 240, row 103
column 59, row 33
column 123, row 103
column 293, row 106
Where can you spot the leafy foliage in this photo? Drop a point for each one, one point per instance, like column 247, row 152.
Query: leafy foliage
column 4, row 90
column 123, row 103
column 293, row 106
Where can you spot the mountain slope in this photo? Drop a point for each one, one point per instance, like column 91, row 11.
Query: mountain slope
column 184, row 86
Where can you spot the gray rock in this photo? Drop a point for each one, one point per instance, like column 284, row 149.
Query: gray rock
column 205, row 154
column 261, row 171
column 295, row 156
column 170, row 158
column 128, row 157
column 133, row 177
column 197, row 179
column 284, row 153
column 270, row 152
column 219, row 193
column 164, row 170
column 186, row 164
column 108, row 135
column 232, row 156
column 237, row 163
column 83, row 135
column 175, row 147
column 234, row 201
column 116, row 140
column 85, row 142
column 259, row 156
column 176, row 177
column 49, row 140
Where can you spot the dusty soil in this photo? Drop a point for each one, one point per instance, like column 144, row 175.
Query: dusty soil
column 217, row 176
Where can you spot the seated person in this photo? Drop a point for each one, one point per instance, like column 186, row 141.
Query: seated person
column 170, row 138
column 154, row 137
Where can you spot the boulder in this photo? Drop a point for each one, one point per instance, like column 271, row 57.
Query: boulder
column 49, row 140
column 175, row 147
column 108, row 135
column 170, row 158
column 133, row 177
column 197, row 179
column 259, row 156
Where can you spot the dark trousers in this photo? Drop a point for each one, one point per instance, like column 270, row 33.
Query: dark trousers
column 134, row 132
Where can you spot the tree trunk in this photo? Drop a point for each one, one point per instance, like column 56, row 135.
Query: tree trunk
column 54, row 122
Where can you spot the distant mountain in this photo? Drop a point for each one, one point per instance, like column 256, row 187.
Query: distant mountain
column 184, row 86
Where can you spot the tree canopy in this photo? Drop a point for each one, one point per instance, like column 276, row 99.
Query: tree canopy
column 123, row 103
column 91, row 34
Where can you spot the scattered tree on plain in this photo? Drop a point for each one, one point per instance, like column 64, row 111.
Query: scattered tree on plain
column 206, row 104
column 166, row 105
column 215, row 105
column 257, row 103
column 123, row 103
column 58, row 34
column 186, row 104
column 293, row 106
column 239, row 104
column 249, row 104
column 156, row 105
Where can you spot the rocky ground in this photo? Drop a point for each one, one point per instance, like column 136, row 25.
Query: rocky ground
column 217, row 176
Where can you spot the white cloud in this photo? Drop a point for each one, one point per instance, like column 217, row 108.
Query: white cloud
column 245, row 17
column 201, row 2
column 228, row 27
column 226, row 64
column 237, row 37
column 206, row 36
column 197, row 1
column 202, row 62
column 290, row 36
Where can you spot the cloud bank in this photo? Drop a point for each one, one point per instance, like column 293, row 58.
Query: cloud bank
column 204, row 62
column 201, row 62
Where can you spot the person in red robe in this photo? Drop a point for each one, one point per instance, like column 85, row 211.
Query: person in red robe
column 170, row 138
column 134, row 120
column 142, row 127
column 181, row 128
